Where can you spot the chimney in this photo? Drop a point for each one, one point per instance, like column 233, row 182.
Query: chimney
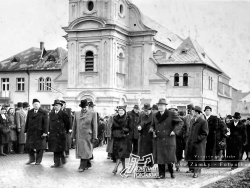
column 41, row 45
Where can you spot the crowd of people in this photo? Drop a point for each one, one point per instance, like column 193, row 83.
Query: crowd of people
column 168, row 134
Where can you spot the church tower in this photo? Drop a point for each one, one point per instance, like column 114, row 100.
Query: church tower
column 107, row 50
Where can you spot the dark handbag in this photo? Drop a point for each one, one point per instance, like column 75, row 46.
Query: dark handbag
column 118, row 133
column 95, row 143
column 6, row 130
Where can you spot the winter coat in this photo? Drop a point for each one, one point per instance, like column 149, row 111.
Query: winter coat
column 145, row 137
column 4, row 130
column 196, row 143
column 58, row 127
column 164, row 145
column 84, row 131
column 21, row 117
column 37, row 124
column 133, row 124
column 109, row 148
column 12, row 124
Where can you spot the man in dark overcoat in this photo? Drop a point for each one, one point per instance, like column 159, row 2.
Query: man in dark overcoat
column 69, row 131
column 211, row 138
column 134, row 117
column 37, row 130
column 164, row 144
column 196, row 143
column 58, row 128
column 145, row 137
column 237, row 138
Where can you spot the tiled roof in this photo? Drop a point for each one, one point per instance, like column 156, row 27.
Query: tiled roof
column 190, row 52
column 163, row 35
column 31, row 59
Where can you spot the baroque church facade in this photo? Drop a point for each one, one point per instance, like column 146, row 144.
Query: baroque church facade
column 118, row 56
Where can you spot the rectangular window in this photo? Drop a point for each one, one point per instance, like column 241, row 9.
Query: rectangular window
column 5, row 84
column 20, row 84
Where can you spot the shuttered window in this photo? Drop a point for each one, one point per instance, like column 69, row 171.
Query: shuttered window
column 89, row 61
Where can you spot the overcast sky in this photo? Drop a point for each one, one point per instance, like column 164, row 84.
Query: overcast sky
column 222, row 28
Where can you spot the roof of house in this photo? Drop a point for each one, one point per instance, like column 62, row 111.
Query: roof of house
column 163, row 35
column 190, row 52
column 31, row 59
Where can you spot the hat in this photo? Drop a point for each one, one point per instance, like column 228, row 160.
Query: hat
column 19, row 105
column 35, row 100
column 91, row 104
column 6, row 105
column 101, row 119
column 3, row 108
column 83, row 103
column 146, row 107
column 25, row 105
column 190, row 107
column 236, row 115
column 154, row 107
column 198, row 109
column 173, row 107
column 136, row 107
column 248, row 118
column 162, row 101
column 62, row 101
column 229, row 117
column 122, row 107
column 57, row 102
column 208, row 107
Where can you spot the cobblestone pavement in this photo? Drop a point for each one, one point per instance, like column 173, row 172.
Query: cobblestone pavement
column 14, row 173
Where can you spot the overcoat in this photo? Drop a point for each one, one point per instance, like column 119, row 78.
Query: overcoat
column 36, row 126
column 121, row 146
column 196, row 143
column 84, row 131
column 133, row 124
column 68, row 135
column 145, row 137
column 221, row 134
column 12, row 124
column 4, row 124
column 186, row 127
column 180, row 139
column 211, row 138
column 58, row 127
column 236, row 140
column 164, row 145
column 21, row 117
column 109, row 148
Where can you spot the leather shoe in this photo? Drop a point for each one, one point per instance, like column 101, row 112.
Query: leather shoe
column 173, row 176
column 37, row 163
column 160, row 177
column 29, row 162
column 56, row 166
column 80, row 170
column 195, row 176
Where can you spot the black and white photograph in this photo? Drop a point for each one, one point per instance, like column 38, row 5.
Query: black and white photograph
column 125, row 93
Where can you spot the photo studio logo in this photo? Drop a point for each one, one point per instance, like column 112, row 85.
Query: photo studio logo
column 140, row 167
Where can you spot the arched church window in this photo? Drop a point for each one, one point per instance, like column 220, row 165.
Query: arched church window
column 176, row 79
column 121, row 63
column 90, row 5
column 89, row 61
column 41, row 84
column 48, row 84
column 185, row 79
column 121, row 9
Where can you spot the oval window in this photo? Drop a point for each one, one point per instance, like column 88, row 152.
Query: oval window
column 90, row 5
column 121, row 9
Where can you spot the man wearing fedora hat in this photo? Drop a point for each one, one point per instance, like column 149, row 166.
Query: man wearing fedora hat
column 211, row 138
column 154, row 109
column 237, row 138
column 145, row 137
column 196, row 143
column 37, row 130
column 68, row 134
column 85, row 134
column 164, row 145
column 58, row 128
column 134, row 121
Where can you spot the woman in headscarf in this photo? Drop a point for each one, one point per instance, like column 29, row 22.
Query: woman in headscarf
column 120, row 130
column 4, row 131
